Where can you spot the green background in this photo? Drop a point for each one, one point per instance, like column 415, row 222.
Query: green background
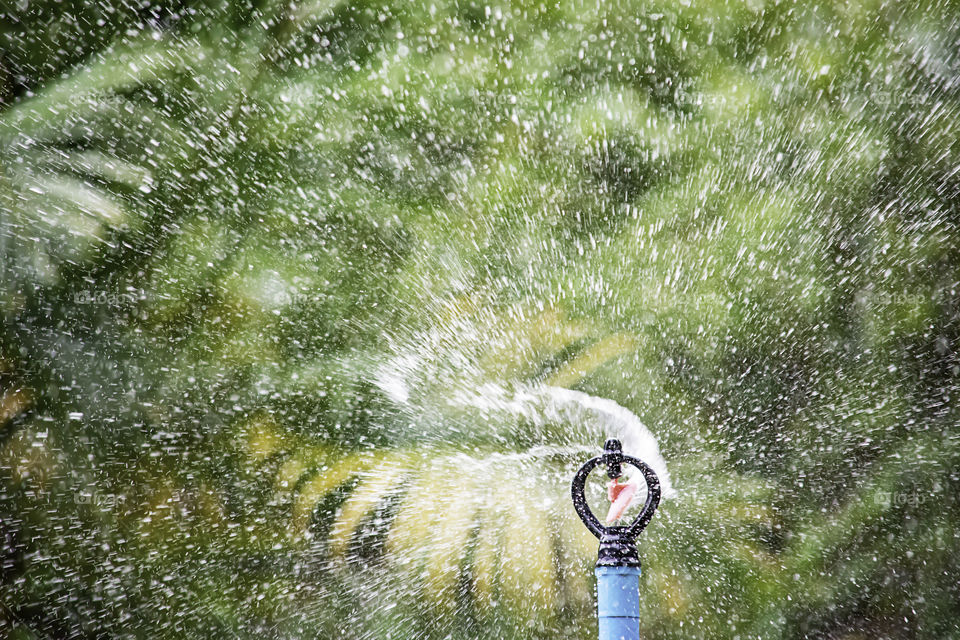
column 222, row 225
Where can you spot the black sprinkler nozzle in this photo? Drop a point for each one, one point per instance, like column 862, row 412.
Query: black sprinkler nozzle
column 618, row 544
column 613, row 458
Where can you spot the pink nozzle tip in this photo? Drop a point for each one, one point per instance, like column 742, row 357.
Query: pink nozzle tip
column 620, row 495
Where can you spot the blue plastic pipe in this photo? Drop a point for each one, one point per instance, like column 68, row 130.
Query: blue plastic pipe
column 618, row 602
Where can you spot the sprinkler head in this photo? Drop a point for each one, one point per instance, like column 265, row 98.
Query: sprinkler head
column 618, row 544
column 613, row 457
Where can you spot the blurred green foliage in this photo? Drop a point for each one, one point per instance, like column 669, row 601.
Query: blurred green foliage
column 218, row 221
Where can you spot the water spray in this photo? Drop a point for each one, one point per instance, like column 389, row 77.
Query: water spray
column 618, row 564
